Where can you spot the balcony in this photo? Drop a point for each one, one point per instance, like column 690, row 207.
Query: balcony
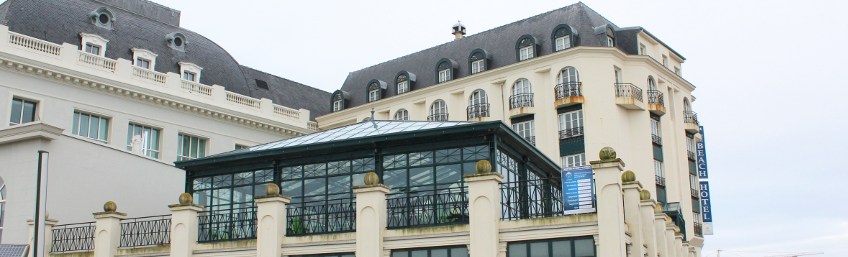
column 570, row 133
column 690, row 122
column 691, row 155
column 660, row 180
column 629, row 96
column 477, row 112
column 438, row 117
column 656, row 139
column 334, row 216
column 656, row 102
column 694, row 193
column 699, row 229
column 520, row 105
column 568, row 93
column 427, row 208
column 531, row 140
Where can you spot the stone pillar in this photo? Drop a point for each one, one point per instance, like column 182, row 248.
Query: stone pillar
column 678, row 243
column 48, row 235
column 184, row 226
column 271, row 228
column 266, row 106
column 632, row 211
column 669, row 238
column 659, row 230
column 107, row 230
column 649, row 234
column 371, row 216
column 610, row 211
column 484, row 209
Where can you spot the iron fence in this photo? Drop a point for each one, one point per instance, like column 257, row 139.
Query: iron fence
column 699, row 231
column 428, row 207
column 527, row 199
column 656, row 139
column 655, row 97
column 691, row 155
column 572, row 132
column 660, row 180
column 331, row 216
column 568, row 89
column 690, row 117
column 73, row 237
column 438, row 117
column 478, row 110
column 628, row 90
column 146, row 231
column 521, row 100
column 227, row 224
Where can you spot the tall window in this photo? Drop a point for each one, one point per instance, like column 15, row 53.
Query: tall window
column 453, row 251
column 522, row 94
column 142, row 63
column 690, row 147
column 438, row 111
column 190, row 147
column 525, row 130
column 574, row 160
column 444, row 71
column 92, row 49
column 656, row 130
column 402, row 114
column 610, row 37
column 190, row 76
column 143, row 140
column 402, row 84
column 2, row 205
column 693, row 185
column 23, row 111
column 569, row 75
column 618, row 75
column 91, row 126
column 562, row 247
column 373, row 92
column 569, row 83
column 478, row 61
column 478, row 104
column 659, row 172
column 571, row 124
column 526, row 47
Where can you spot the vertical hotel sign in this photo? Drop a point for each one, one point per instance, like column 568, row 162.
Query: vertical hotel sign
column 703, row 175
column 578, row 190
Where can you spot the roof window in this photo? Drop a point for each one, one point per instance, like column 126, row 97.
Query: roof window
column 102, row 17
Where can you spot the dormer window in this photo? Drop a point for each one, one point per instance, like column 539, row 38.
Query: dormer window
column 143, row 58
column 610, row 37
column 176, row 41
column 338, row 100
column 93, row 44
column 190, row 71
column 526, row 47
column 404, row 81
column 375, row 90
column 445, row 70
column 477, row 61
column 102, row 17
column 563, row 37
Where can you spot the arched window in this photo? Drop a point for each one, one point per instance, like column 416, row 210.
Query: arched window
column 338, row 101
column 404, row 81
column 438, row 111
column 445, row 70
column 651, row 84
column 102, row 17
column 563, row 37
column 478, row 104
column 375, row 90
column 2, row 203
column 478, row 60
column 654, row 95
column 610, row 37
column 525, row 48
column 686, row 107
column 569, row 83
column 522, row 94
column 402, row 114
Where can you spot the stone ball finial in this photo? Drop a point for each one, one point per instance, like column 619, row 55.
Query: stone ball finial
column 484, row 167
column 371, row 179
column 272, row 189
column 110, row 206
column 607, row 154
column 628, row 176
column 186, row 199
column 644, row 195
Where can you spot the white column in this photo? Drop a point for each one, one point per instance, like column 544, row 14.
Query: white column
column 271, row 214
column 184, row 226
column 632, row 211
column 107, row 230
column 484, row 210
column 659, row 229
column 678, row 244
column 610, row 211
column 669, row 238
column 646, row 208
column 48, row 235
column 371, row 216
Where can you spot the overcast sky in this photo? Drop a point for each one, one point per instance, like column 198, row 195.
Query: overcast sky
column 767, row 91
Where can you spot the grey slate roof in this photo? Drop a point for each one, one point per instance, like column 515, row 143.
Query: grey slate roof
column 499, row 42
column 144, row 24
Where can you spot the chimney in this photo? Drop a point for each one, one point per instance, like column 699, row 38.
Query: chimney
column 458, row 30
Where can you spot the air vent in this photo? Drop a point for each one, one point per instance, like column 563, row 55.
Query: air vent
column 261, row 84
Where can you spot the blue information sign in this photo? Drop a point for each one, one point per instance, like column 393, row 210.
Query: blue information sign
column 706, row 210
column 701, row 147
column 578, row 190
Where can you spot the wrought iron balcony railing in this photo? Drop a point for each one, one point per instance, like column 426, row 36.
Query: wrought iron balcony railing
column 531, row 139
column 478, row 111
column 694, row 193
column 332, row 216
column 699, row 229
column 628, row 90
column 428, row 207
column 438, row 117
column 146, row 231
column 569, row 133
column 568, row 89
column 528, row 199
column 660, row 180
column 521, row 100
column 656, row 97
column 656, row 139
column 691, row 155
column 73, row 237
column 226, row 225
column 690, row 117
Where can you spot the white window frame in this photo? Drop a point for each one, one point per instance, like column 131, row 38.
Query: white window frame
column 570, row 120
column 568, row 75
column 574, row 160
column 610, row 41
column 438, row 108
column 191, row 68
column 196, row 149
column 144, row 140
column 403, row 87
column 526, row 52
column 522, row 86
column 656, row 127
column 525, row 129
column 77, row 126
column 478, row 66
column 146, row 55
column 338, row 105
column 35, row 112
column 374, row 94
column 562, row 43
column 659, row 170
column 444, row 75
column 402, row 114
column 93, row 40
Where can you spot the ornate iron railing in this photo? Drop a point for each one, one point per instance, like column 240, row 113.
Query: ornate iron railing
column 531, row 139
column 568, row 89
column 691, row 155
column 438, row 117
column 660, row 180
column 521, row 100
column 331, row 216
column 690, row 117
column 146, row 231
column 656, row 139
column 699, row 230
column 428, row 207
column 478, row 110
column 569, row 133
column 528, row 199
column 628, row 90
column 694, row 193
column 226, row 225
column 73, row 237
column 655, row 97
